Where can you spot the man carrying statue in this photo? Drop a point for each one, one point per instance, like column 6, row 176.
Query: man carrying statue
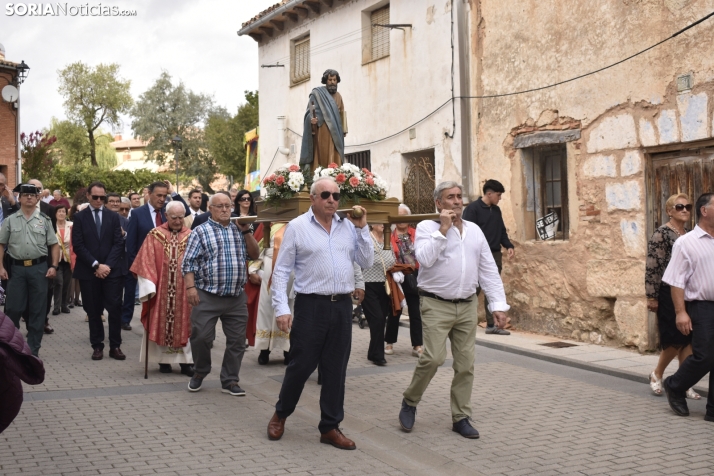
column 324, row 126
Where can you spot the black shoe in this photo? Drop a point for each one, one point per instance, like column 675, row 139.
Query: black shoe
column 165, row 368
column 677, row 404
column 78, row 303
column 125, row 327
column 70, row 305
column 407, row 416
column 708, row 417
column 234, row 390
column 55, row 312
column 137, row 302
column 464, row 428
column 65, row 310
column 195, row 384
column 187, row 369
column 381, row 363
column 264, row 357
column 286, row 358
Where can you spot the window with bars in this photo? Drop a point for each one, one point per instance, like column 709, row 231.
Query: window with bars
column 546, row 181
column 380, row 34
column 361, row 159
column 300, row 61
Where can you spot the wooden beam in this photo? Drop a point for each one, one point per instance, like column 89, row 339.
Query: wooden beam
column 256, row 36
column 302, row 11
column 327, row 3
column 291, row 16
column 268, row 30
column 278, row 24
column 314, row 6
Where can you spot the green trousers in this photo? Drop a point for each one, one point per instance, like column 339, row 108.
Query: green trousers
column 441, row 319
column 28, row 285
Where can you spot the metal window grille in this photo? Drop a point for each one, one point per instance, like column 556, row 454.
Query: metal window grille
column 301, row 60
column 551, row 186
column 380, row 34
column 361, row 159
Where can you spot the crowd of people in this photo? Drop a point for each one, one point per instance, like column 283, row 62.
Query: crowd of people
column 292, row 287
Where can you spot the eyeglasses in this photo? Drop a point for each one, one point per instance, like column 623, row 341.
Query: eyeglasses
column 222, row 207
column 124, row 209
column 679, row 207
column 99, row 197
column 174, row 217
column 29, row 195
column 326, row 195
column 244, row 199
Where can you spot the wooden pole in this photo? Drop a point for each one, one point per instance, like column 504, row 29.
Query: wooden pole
column 146, row 350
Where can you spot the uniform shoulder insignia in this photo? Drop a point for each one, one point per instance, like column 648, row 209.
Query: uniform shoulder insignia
column 44, row 215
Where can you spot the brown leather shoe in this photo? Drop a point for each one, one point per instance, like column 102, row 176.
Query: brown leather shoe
column 338, row 440
column 48, row 328
column 276, row 427
column 98, row 354
column 117, row 354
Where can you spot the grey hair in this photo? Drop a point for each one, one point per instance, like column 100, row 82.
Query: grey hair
column 175, row 204
column 125, row 200
column 222, row 192
column 313, row 188
column 445, row 186
column 57, row 191
column 406, row 208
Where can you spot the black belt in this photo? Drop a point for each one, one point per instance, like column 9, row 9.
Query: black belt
column 328, row 297
column 28, row 262
column 434, row 296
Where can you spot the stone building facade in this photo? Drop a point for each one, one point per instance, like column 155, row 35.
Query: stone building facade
column 8, row 123
column 629, row 136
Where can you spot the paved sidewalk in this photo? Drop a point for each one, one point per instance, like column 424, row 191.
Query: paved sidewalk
column 535, row 417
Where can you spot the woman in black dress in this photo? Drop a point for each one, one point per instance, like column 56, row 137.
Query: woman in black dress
column 659, row 298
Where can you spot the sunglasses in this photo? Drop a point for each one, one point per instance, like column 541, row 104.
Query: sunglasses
column 99, row 197
column 244, row 199
column 326, row 195
column 679, row 207
column 124, row 209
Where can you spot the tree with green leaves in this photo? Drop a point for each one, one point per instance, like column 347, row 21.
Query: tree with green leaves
column 225, row 135
column 166, row 110
column 73, row 148
column 93, row 96
column 38, row 158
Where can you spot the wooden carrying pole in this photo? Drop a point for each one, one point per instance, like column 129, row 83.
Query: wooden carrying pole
column 146, row 350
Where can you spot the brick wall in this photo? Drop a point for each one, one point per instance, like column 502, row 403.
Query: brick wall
column 8, row 132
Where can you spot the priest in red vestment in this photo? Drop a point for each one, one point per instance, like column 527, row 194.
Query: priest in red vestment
column 166, row 312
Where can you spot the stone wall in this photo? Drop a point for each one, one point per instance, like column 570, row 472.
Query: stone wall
column 591, row 286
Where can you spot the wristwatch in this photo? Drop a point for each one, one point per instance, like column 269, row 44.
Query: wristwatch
column 95, row 267
column 52, row 266
column 247, row 231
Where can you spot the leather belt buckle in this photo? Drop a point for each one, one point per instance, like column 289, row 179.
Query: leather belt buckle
column 334, row 297
column 27, row 262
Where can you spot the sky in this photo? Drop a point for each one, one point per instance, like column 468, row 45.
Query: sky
column 194, row 41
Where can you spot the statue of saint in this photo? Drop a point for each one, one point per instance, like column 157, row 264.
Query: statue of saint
column 324, row 126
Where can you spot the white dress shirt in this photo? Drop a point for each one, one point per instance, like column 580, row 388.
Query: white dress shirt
column 692, row 265
column 152, row 212
column 453, row 266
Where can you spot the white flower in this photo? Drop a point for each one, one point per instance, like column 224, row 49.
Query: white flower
column 350, row 167
column 283, row 168
column 296, row 177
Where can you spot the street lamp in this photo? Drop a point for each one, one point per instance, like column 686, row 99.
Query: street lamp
column 22, row 72
column 176, row 141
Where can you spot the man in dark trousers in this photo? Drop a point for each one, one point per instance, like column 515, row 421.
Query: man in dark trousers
column 141, row 222
column 487, row 215
column 99, row 246
column 50, row 211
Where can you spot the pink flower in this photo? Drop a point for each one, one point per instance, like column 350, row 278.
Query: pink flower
column 354, row 181
column 294, row 168
column 279, row 180
column 340, row 178
column 370, row 181
column 366, row 171
column 332, row 166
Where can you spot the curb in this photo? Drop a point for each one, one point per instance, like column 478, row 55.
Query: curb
column 575, row 363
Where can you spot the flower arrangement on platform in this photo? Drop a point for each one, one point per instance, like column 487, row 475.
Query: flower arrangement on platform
column 284, row 183
column 354, row 183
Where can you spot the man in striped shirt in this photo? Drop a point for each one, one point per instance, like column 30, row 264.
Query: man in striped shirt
column 214, row 274
column 690, row 273
column 320, row 248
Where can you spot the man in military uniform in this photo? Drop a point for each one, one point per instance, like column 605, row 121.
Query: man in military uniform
column 28, row 235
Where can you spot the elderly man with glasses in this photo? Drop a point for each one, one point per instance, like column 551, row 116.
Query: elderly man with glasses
column 214, row 273
column 320, row 247
column 28, row 236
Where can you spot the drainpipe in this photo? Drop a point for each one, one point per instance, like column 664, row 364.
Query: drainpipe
column 281, row 136
column 462, row 34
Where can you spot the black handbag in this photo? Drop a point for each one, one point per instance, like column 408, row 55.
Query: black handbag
column 409, row 286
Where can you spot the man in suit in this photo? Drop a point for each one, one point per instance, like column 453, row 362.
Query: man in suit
column 194, row 205
column 99, row 246
column 48, row 210
column 142, row 221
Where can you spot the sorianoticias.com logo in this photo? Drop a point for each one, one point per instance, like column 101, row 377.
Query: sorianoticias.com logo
column 65, row 9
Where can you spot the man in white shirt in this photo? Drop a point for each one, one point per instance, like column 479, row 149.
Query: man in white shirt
column 690, row 274
column 454, row 259
column 194, row 205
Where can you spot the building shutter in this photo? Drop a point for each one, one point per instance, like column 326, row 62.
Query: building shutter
column 301, row 60
column 380, row 34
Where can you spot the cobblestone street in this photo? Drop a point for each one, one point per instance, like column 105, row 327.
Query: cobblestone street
column 535, row 417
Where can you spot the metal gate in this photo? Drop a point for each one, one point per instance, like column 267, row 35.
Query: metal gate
column 419, row 184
